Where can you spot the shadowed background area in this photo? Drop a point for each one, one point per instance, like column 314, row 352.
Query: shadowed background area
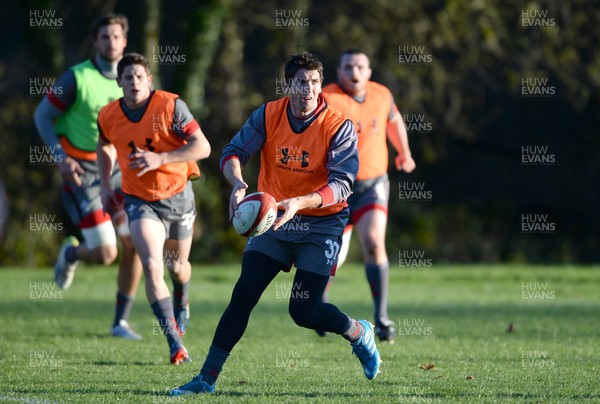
column 502, row 104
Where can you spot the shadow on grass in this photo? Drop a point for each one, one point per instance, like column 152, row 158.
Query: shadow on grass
column 126, row 363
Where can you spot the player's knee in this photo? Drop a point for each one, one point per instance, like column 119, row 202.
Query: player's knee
column 152, row 267
column 374, row 248
column 127, row 243
column 105, row 255
column 301, row 315
column 176, row 267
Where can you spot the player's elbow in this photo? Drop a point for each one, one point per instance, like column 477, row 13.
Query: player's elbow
column 202, row 150
column 205, row 150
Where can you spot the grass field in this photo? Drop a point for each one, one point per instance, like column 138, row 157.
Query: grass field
column 55, row 347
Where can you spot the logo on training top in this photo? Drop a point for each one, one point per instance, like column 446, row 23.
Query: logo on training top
column 148, row 146
column 359, row 126
column 293, row 158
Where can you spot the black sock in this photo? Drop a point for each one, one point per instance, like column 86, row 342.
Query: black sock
column 213, row 364
column 163, row 310
column 122, row 308
column 71, row 254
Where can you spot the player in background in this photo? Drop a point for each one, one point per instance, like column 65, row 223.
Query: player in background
column 66, row 122
column 156, row 141
column 372, row 109
column 308, row 164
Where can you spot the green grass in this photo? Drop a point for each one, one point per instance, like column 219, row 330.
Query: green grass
column 57, row 349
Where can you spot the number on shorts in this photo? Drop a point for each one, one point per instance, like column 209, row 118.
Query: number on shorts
column 187, row 220
column 332, row 252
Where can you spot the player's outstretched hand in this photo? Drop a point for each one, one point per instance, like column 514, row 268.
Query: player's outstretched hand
column 237, row 194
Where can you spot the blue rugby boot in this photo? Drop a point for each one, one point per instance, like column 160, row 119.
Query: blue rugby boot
column 366, row 351
column 196, row 386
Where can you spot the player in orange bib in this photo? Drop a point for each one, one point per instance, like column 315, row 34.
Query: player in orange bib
column 308, row 163
column 155, row 140
column 66, row 121
column 376, row 118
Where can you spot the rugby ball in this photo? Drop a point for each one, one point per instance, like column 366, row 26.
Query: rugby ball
column 255, row 214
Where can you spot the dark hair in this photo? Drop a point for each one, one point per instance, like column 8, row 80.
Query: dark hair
column 351, row 52
column 132, row 59
column 304, row 60
column 110, row 19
